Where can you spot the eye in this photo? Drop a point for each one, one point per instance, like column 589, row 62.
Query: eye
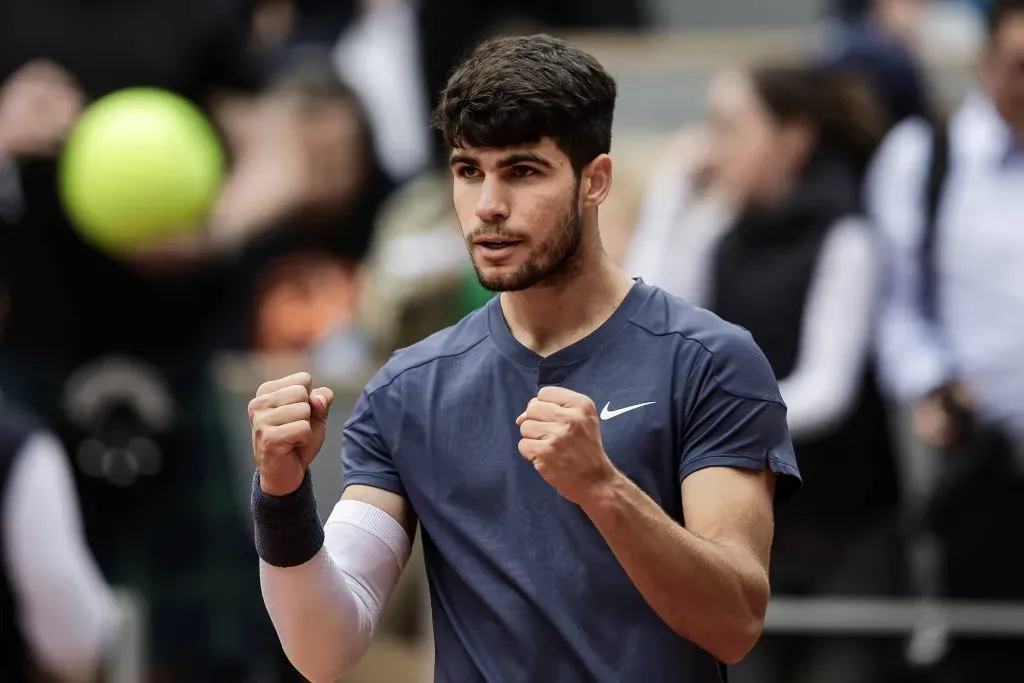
column 522, row 171
column 468, row 172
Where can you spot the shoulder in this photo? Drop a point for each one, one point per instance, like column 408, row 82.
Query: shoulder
column 449, row 344
column 904, row 150
column 713, row 351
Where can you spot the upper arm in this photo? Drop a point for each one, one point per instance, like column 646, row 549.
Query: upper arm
column 735, row 417
column 732, row 508
column 894, row 185
column 911, row 353
column 391, row 504
column 370, row 473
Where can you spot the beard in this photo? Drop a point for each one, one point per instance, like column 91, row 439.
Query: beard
column 550, row 263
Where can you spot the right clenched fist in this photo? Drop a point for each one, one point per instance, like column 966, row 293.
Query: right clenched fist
column 289, row 423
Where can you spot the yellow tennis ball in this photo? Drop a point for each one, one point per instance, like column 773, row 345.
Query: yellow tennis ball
column 141, row 165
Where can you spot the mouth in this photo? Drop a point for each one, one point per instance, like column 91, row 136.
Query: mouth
column 495, row 246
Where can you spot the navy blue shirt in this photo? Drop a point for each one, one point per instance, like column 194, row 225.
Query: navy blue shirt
column 523, row 587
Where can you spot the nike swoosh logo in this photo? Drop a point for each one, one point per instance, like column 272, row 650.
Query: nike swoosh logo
column 609, row 414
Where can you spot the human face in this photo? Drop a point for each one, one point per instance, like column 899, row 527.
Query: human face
column 751, row 155
column 1003, row 70
column 520, row 213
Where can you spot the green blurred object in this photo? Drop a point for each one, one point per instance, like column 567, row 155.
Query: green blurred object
column 471, row 294
column 141, row 165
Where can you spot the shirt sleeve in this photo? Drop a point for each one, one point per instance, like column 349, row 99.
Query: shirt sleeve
column 835, row 341
column 365, row 455
column 735, row 415
column 68, row 613
column 912, row 356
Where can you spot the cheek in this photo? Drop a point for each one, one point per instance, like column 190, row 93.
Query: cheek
column 539, row 211
column 465, row 198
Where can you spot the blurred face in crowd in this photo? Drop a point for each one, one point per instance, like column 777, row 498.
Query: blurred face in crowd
column 520, row 211
column 333, row 147
column 1003, row 69
column 753, row 157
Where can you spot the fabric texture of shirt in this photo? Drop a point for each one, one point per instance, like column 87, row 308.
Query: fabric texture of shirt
column 523, row 586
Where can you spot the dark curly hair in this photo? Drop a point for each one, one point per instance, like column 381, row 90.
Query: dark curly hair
column 517, row 90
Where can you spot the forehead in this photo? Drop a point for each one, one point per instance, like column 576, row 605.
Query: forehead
column 545, row 151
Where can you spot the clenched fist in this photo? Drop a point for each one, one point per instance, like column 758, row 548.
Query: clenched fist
column 289, row 423
column 562, row 438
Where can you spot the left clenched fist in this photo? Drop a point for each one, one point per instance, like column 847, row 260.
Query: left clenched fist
column 562, row 438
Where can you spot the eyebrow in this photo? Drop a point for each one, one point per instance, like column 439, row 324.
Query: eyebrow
column 510, row 160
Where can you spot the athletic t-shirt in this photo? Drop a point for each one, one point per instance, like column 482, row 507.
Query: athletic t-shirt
column 523, row 586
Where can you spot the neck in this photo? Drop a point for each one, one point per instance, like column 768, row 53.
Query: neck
column 549, row 317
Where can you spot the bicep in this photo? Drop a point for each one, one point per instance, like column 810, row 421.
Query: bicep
column 393, row 505
column 732, row 508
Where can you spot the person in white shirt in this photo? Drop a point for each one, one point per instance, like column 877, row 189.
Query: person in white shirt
column 949, row 200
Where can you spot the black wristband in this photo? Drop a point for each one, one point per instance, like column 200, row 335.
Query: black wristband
column 288, row 528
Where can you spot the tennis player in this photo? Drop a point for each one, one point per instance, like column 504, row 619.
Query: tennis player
column 592, row 462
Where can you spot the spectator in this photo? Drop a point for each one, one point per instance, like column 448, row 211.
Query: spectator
column 948, row 199
column 795, row 264
column 301, row 280
column 57, row 615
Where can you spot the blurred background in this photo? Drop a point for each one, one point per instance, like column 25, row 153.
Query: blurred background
column 843, row 178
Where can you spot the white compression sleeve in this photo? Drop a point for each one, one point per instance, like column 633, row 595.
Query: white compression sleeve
column 326, row 610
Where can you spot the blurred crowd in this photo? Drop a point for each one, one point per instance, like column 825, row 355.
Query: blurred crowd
column 867, row 233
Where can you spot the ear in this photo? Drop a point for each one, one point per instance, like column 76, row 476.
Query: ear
column 596, row 181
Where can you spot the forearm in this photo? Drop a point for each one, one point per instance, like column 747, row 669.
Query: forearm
column 713, row 595
column 325, row 609
column 322, row 626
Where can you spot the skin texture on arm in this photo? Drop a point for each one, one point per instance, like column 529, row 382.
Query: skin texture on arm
column 709, row 579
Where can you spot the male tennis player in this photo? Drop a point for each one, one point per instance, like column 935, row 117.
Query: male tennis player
column 592, row 462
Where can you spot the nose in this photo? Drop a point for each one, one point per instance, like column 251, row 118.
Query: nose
column 492, row 205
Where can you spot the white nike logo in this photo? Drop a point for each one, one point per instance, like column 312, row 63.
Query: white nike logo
column 609, row 414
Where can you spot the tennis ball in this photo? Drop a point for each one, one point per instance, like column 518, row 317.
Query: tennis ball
column 141, row 165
